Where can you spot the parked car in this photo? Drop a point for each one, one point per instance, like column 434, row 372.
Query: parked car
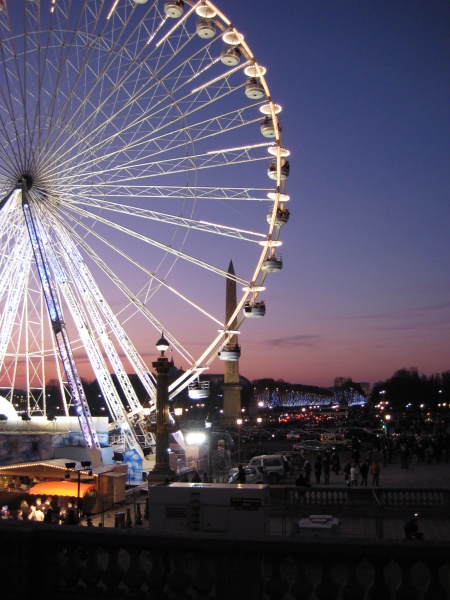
column 335, row 439
column 276, row 465
column 310, row 446
column 256, row 434
column 254, row 474
column 294, row 434
column 295, row 458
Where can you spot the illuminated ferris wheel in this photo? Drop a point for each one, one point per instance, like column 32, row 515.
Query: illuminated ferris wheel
column 140, row 152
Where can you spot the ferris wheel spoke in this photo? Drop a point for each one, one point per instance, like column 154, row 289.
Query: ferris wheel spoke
column 133, row 298
column 167, row 249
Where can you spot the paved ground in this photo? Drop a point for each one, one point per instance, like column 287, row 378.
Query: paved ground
column 392, row 476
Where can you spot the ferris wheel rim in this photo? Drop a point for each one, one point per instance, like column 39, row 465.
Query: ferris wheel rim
column 57, row 184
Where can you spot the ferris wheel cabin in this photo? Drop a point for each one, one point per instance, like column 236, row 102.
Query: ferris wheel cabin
column 173, row 8
column 198, row 390
column 231, row 352
column 254, row 310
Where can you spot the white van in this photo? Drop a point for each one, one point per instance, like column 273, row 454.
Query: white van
column 276, row 465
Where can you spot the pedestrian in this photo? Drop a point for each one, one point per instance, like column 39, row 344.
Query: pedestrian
column 307, row 468
column 326, row 465
column 412, row 529
column 48, row 515
column 353, row 475
column 347, row 468
column 375, row 471
column 364, row 470
column 318, row 468
column 71, row 518
column 241, row 478
column 335, row 463
column 39, row 513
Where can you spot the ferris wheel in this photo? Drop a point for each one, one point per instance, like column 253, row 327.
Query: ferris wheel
column 141, row 151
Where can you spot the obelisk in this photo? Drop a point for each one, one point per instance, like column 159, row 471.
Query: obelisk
column 231, row 385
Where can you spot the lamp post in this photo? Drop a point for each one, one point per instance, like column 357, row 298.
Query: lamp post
column 162, row 470
column 239, row 424
column 85, row 468
column 259, row 421
column 208, row 425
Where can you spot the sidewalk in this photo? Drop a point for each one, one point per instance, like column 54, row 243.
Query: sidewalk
column 421, row 475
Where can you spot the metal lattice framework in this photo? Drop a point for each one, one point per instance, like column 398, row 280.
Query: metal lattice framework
column 140, row 152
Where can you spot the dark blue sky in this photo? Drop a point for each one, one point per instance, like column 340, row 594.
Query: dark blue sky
column 365, row 288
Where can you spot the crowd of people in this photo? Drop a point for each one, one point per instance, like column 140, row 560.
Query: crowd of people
column 51, row 510
column 363, row 467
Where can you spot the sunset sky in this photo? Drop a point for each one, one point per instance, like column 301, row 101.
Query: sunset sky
column 365, row 288
column 165, row 182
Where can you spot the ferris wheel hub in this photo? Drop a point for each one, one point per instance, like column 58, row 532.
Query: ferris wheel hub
column 27, row 180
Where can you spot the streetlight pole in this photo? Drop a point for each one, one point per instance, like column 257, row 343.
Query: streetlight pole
column 259, row 421
column 85, row 468
column 208, row 424
column 162, row 469
column 239, row 423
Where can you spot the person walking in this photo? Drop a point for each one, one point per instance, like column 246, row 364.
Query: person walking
column 335, row 463
column 375, row 471
column 353, row 475
column 318, row 468
column 364, row 470
column 346, row 470
column 241, row 478
column 326, row 465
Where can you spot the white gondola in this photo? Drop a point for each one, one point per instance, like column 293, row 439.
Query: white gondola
column 272, row 263
column 231, row 352
column 232, row 37
column 230, row 57
column 267, row 127
column 284, row 170
column 198, row 390
column 206, row 29
column 205, row 11
column 281, row 218
column 254, row 89
column 173, row 8
column 254, row 310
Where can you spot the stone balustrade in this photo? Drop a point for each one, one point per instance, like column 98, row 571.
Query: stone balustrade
column 55, row 562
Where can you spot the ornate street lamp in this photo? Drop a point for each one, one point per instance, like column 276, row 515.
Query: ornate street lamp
column 163, row 427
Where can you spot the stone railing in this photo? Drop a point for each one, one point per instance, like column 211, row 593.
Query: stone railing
column 55, row 562
column 287, row 504
column 387, row 499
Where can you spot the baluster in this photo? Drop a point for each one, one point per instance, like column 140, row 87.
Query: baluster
column 178, row 579
column 156, row 579
column 379, row 589
column 302, row 588
column 352, row 589
column 128, row 521
column 435, row 589
column 135, row 575
column 92, row 572
column 72, row 568
column 327, row 588
column 138, row 515
column 407, row 590
column 276, row 587
column 204, row 578
column 113, row 574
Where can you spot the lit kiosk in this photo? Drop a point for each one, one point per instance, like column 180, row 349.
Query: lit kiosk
column 162, row 428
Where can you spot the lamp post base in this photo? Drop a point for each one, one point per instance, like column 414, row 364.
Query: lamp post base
column 161, row 473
